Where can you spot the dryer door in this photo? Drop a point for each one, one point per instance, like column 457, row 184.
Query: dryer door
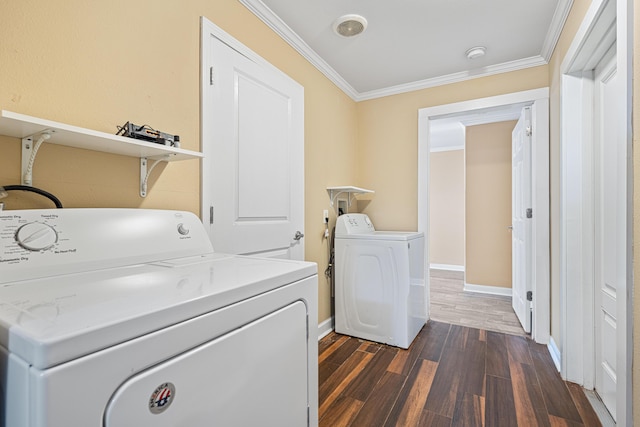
column 253, row 376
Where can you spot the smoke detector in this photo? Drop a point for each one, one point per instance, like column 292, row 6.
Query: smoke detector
column 476, row 52
column 350, row 25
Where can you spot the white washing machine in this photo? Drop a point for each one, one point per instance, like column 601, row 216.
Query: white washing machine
column 125, row 317
column 380, row 292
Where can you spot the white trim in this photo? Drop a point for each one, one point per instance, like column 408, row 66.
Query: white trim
column 555, row 353
column 442, row 149
column 485, row 289
column 539, row 99
column 325, row 328
column 576, row 230
column 577, row 282
column 274, row 22
column 495, row 117
column 424, row 158
column 601, row 411
column 471, row 105
column 266, row 15
column 449, row 267
column 505, row 67
column 555, row 29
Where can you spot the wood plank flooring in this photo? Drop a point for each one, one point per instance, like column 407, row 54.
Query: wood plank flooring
column 451, row 375
column 449, row 303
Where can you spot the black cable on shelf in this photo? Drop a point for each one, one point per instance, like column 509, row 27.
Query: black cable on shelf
column 46, row 194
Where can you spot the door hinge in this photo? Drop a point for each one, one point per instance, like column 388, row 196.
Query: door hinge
column 529, row 131
column 210, row 214
column 210, row 76
column 529, row 295
column 529, row 213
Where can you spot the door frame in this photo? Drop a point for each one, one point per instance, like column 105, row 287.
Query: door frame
column 538, row 99
column 577, row 200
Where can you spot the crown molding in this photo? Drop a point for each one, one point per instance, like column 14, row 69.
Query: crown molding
column 266, row 15
column 274, row 22
column 555, row 29
column 455, row 78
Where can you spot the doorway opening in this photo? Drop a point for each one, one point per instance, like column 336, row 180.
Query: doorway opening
column 479, row 110
column 472, row 227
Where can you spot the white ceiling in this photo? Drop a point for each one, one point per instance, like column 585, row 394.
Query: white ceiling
column 414, row 44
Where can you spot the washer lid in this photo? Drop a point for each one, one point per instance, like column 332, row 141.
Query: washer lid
column 384, row 235
column 50, row 321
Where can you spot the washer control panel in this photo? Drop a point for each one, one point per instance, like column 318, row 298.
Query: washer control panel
column 44, row 242
column 354, row 224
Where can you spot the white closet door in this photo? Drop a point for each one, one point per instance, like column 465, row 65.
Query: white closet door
column 253, row 142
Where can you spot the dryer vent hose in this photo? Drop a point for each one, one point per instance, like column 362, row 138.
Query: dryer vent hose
column 43, row 193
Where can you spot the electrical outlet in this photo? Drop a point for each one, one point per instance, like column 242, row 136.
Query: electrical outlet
column 325, row 216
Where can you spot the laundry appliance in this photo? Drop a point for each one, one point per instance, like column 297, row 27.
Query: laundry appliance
column 127, row 317
column 380, row 292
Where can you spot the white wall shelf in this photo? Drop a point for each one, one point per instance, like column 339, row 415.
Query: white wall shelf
column 335, row 192
column 30, row 128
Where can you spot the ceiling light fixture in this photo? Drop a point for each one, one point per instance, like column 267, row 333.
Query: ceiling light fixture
column 350, row 25
column 476, row 52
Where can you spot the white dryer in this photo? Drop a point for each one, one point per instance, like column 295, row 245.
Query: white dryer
column 126, row 317
column 380, row 292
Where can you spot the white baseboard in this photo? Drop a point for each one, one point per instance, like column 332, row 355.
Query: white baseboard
column 324, row 328
column 555, row 353
column 450, row 267
column 484, row 289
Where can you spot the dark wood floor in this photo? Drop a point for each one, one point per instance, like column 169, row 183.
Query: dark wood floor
column 450, row 376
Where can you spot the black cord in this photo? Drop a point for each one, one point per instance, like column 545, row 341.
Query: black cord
column 46, row 194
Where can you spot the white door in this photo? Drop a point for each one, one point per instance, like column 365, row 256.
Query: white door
column 610, row 228
column 253, row 142
column 521, row 218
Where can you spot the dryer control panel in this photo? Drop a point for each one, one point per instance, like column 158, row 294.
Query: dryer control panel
column 354, row 224
column 44, row 242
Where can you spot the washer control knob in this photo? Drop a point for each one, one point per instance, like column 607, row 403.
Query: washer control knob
column 36, row 236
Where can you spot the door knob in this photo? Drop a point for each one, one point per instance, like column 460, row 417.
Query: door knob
column 298, row 236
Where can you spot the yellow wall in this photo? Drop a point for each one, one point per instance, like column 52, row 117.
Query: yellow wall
column 388, row 140
column 488, row 204
column 446, row 204
column 97, row 64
